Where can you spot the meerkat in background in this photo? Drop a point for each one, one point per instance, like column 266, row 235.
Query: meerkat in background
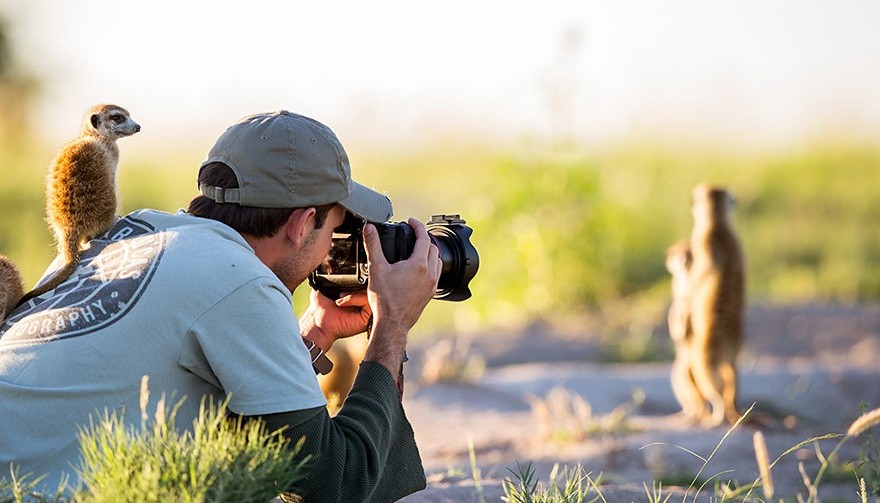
column 11, row 287
column 678, row 263
column 81, row 187
column 346, row 357
column 717, row 306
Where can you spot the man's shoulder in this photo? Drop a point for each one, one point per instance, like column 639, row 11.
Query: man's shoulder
column 211, row 243
column 186, row 225
column 163, row 220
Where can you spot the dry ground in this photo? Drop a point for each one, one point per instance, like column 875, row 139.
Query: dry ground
column 806, row 369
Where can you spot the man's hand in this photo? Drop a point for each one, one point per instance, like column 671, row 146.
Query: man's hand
column 326, row 321
column 398, row 293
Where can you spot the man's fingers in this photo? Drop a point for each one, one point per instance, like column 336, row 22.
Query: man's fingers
column 434, row 259
column 426, row 246
column 356, row 299
column 373, row 246
column 423, row 241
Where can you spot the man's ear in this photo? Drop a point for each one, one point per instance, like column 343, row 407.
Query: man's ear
column 299, row 225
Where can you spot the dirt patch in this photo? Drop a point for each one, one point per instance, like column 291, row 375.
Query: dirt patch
column 806, row 371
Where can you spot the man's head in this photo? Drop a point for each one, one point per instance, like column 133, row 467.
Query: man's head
column 286, row 160
column 276, row 178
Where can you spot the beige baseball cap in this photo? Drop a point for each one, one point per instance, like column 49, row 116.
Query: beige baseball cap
column 287, row 160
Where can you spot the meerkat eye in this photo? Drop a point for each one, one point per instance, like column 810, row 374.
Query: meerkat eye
column 117, row 118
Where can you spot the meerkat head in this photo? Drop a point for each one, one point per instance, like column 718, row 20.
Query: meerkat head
column 109, row 121
column 711, row 203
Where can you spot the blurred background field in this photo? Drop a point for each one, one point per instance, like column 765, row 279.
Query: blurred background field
column 566, row 231
column 569, row 139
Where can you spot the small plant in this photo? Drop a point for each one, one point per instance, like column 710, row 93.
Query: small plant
column 867, row 467
column 565, row 486
column 475, row 470
column 23, row 489
column 763, row 460
column 221, row 459
column 655, row 494
column 566, row 416
column 450, row 361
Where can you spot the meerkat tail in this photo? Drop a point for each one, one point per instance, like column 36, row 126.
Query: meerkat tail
column 50, row 284
column 11, row 287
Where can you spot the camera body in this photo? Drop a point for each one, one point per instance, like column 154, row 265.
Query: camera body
column 345, row 269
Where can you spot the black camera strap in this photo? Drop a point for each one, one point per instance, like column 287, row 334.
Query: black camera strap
column 320, row 362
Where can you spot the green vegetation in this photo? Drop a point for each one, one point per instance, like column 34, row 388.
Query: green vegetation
column 564, row 486
column 218, row 460
column 569, row 233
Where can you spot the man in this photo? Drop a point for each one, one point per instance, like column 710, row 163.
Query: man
column 200, row 302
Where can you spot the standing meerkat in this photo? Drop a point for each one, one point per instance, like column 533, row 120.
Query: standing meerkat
column 81, row 187
column 11, row 287
column 678, row 262
column 717, row 306
column 346, row 357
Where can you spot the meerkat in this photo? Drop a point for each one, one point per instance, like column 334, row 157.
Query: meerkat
column 11, row 287
column 81, row 187
column 346, row 357
column 678, row 263
column 717, row 305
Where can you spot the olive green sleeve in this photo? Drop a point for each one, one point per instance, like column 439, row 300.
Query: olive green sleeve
column 367, row 452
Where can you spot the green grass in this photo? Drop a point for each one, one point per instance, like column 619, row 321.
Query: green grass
column 216, row 460
column 564, row 486
column 221, row 460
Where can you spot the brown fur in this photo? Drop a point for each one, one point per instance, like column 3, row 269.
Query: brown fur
column 678, row 262
column 717, row 307
column 11, row 287
column 81, row 187
column 346, row 357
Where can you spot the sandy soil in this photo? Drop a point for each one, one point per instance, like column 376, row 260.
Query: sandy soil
column 806, row 369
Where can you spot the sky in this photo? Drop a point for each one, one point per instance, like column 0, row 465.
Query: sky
column 390, row 72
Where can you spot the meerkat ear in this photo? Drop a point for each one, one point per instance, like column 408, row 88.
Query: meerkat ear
column 94, row 120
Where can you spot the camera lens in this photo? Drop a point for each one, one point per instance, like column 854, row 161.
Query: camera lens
column 458, row 256
column 345, row 268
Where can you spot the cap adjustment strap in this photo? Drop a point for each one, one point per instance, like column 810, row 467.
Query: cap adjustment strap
column 219, row 194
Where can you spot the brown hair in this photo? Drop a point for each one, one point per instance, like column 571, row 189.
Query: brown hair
column 257, row 222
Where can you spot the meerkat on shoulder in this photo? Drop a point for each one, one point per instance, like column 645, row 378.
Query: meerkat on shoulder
column 81, row 194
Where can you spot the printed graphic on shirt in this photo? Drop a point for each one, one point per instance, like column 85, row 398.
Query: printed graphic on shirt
column 111, row 276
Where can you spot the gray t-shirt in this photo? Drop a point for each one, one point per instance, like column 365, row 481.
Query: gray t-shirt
column 179, row 298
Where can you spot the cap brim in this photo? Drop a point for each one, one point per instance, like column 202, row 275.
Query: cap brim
column 368, row 204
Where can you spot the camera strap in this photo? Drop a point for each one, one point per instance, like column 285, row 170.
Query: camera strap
column 320, row 362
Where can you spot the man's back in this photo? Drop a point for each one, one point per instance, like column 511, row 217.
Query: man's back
column 169, row 296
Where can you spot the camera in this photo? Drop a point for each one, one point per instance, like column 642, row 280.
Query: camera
column 345, row 269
